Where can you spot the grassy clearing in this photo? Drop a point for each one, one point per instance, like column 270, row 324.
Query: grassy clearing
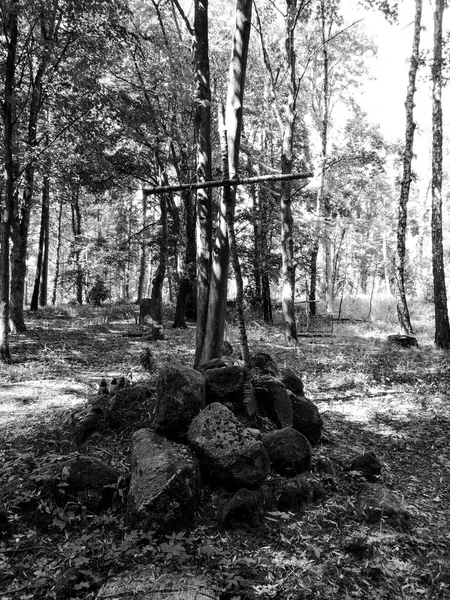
column 372, row 396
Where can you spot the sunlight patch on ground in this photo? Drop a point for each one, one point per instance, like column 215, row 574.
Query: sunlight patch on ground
column 22, row 400
column 392, row 407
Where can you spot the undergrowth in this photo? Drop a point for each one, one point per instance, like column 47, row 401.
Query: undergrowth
column 372, row 395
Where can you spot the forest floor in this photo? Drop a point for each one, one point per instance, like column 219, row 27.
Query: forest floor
column 372, row 396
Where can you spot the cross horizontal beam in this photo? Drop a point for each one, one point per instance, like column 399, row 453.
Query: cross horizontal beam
column 226, row 182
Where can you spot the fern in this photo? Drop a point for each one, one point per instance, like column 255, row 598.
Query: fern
column 146, row 360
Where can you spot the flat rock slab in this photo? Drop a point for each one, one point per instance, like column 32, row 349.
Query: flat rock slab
column 143, row 585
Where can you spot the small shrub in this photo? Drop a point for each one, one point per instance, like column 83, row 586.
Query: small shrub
column 98, row 293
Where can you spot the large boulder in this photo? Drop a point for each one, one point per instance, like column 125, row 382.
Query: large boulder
column 273, row 398
column 89, row 480
column 229, row 453
column 292, row 382
column 89, row 419
column 264, row 363
column 368, row 464
column 231, row 385
column 164, row 487
column 132, row 406
column 291, row 494
column 180, row 396
column 306, row 418
column 289, row 451
column 244, row 510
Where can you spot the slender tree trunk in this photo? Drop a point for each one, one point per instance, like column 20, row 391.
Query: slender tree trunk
column 313, row 279
column 187, row 279
column 442, row 328
column 257, row 237
column 232, row 239
column 7, row 205
column 19, row 234
column 267, row 301
column 21, row 218
column 287, row 244
column 266, row 218
column 234, row 116
column 143, row 258
column 42, row 236
column 58, row 255
column 322, row 196
column 46, row 225
column 402, row 305
column 76, row 230
column 158, row 280
column 204, row 196
column 387, row 282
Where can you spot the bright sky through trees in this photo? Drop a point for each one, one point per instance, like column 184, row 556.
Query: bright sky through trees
column 384, row 95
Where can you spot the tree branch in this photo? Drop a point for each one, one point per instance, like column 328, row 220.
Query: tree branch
column 225, row 182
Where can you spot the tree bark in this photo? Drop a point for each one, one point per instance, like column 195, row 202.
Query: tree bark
column 143, row 245
column 76, row 230
column 204, row 196
column 158, row 279
column 187, row 279
column 313, row 279
column 221, row 255
column 232, row 239
column 402, row 305
column 287, row 244
column 9, row 22
column 322, row 198
column 58, row 255
column 21, row 217
column 34, row 304
column 442, row 328
column 43, row 292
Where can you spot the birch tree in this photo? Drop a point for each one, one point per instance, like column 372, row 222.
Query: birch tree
column 233, row 120
column 402, row 305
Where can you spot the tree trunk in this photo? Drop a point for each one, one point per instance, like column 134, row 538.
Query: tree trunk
column 387, row 282
column 267, row 302
column 287, row 244
column 58, row 255
column 45, row 259
column 76, row 230
column 187, row 279
column 42, row 237
column 402, row 305
column 158, row 280
column 204, row 196
column 10, row 31
column 232, row 235
column 21, row 217
column 442, row 328
column 266, row 219
column 143, row 259
column 221, row 255
column 323, row 198
column 257, row 238
column 313, row 279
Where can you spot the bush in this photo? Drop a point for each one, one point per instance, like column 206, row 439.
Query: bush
column 98, row 293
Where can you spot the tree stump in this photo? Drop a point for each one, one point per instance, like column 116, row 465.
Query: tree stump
column 406, row 341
